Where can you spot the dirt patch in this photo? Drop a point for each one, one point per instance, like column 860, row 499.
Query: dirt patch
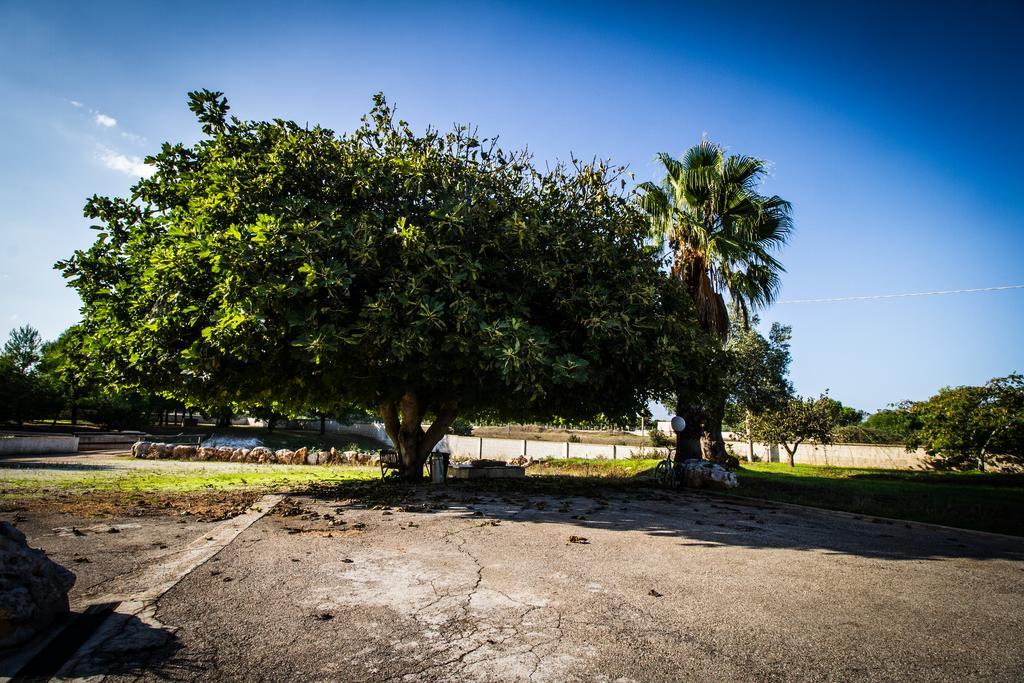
column 207, row 507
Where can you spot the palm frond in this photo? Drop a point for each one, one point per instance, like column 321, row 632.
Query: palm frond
column 743, row 171
column 705, row 154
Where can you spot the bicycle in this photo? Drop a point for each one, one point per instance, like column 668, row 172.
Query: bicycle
column 665, row 473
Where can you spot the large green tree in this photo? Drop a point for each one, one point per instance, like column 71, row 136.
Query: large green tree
column 965, row 427
column 66, row 362
column 428, row 275
column 722, row 233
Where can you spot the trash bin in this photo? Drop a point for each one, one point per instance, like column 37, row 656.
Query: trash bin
column 438, row 467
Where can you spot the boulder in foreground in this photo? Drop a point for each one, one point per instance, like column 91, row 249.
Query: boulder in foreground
column 698, row 474
column 33, row 588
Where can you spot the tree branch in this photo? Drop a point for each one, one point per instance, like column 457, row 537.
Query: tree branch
column 439, row 427
column 390, row 416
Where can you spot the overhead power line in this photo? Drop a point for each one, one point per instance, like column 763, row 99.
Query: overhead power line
column 899, row 296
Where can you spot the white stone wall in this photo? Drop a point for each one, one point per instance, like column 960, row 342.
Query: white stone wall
column 38, row 445
column 460, row 446
column 840, row 455
column 504, row 449
column 592, row 451
column 546, row 450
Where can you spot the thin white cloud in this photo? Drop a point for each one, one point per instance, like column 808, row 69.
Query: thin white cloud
column 116, row 161
column 76, row 103
column 133, row 137
column 105, row 121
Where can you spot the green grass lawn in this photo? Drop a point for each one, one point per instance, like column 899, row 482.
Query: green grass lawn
column 162, row 480
column 988, row 501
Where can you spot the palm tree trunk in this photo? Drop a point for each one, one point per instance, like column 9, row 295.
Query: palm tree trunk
column 688, row 441
column 712, row 442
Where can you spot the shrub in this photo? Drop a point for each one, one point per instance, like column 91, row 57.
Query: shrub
column 461, row 428
column 660, row 439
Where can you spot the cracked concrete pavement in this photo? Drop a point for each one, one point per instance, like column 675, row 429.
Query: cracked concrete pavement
column 483, row 587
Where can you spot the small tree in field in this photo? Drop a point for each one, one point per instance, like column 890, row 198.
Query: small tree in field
column 796, row 421
column 427, row 276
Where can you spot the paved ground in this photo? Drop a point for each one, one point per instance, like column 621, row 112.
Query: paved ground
column 482, row 587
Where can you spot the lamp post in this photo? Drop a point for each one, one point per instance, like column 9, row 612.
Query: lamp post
column 678, row 425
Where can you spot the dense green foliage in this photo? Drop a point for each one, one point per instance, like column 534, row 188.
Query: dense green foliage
column 26, row 395
column 24, row 348
column 757, row 371
column 283, row 268
column 966, row 427
column 897, row 421
column 722, row 234
column 847, row 416
column 26, row 391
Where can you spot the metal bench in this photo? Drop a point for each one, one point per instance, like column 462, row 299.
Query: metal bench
column 389, row 460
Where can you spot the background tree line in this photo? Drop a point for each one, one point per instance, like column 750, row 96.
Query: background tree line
column 959, row 427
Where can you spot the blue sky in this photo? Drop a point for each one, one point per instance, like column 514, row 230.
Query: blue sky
column 893, row 131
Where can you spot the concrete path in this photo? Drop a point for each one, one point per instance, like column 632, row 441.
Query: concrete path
column 132, row 632
column 688, row 589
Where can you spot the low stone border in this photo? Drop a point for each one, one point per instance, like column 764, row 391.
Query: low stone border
column 148, row 450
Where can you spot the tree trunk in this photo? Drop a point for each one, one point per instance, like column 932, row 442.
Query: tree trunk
column 323, row 424
column 688, row 446
column 712, row 442
column 404, row 425
column 791, row 454
column 750, row 440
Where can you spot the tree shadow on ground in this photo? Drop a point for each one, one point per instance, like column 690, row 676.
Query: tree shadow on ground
column 695, row 518
column 117, row 644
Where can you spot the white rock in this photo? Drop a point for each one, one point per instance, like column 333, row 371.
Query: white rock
column 704, row 474
column 33, row 588
column 260, row 454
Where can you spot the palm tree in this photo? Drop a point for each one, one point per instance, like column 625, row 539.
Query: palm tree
column 722, row 233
